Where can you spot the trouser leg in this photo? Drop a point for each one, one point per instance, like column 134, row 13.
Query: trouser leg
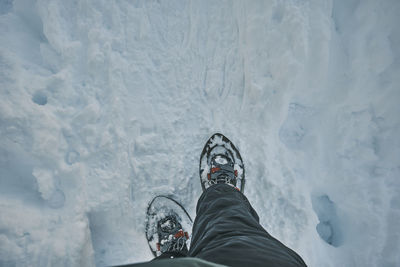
column 227, row 231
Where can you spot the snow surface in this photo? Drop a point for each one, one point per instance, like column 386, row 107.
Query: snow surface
column 105, row 104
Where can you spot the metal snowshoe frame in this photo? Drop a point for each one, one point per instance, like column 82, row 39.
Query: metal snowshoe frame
column 150, row 214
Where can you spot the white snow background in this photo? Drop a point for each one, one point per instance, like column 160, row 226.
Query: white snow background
column 106, row 103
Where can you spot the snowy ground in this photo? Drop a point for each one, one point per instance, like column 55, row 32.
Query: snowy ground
column 104, row 104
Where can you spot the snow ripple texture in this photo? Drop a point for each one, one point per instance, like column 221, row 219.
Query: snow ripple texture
column 105, row 104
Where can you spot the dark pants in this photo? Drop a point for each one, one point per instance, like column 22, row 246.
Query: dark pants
column 227, row 231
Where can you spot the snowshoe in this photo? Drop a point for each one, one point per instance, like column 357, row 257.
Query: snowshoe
column 167, row 226
column 220, row 162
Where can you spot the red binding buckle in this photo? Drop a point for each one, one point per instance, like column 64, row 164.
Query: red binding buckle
column 180, row 233
column 215, row 169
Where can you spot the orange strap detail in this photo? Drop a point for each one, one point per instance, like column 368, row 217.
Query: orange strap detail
column 181, row 233
column 215, row 169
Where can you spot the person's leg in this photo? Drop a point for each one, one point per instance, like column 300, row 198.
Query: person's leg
column 227, row 231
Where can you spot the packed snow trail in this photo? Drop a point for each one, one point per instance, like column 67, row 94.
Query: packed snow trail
column 105, row 104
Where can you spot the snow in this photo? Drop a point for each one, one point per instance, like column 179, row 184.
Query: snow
column 105, row 104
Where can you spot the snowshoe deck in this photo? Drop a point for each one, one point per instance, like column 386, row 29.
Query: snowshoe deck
column 217, row 143
column 159, row 208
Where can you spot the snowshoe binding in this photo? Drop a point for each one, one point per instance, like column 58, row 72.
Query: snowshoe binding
column 220, row 162
column 167, row 226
